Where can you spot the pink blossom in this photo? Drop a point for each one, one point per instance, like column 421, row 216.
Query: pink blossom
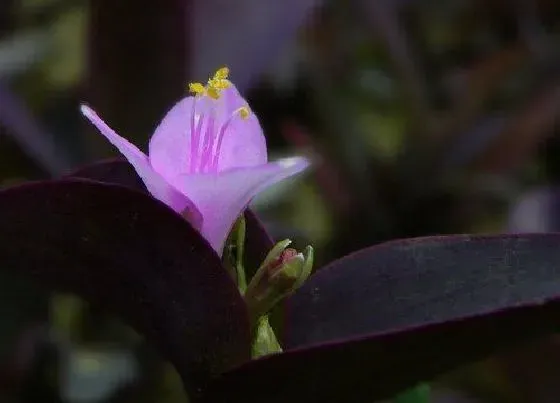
column 207, row 158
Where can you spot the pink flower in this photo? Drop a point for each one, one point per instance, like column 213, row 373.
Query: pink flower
column 207, row 158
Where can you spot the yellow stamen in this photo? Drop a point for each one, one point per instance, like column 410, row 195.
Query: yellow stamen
column 197, row 88
column 215, row 85
column 219, row 84
column 222, row 74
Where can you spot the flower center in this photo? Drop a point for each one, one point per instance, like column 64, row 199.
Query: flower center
column 206, row 136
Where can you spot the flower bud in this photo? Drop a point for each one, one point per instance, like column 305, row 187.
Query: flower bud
column 283, row 271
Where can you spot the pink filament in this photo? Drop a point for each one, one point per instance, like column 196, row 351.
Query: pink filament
column 209, row 157
column 195, row 136
column 223, row 129
column 208, row 144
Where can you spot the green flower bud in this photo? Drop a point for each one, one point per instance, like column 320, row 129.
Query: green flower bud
column 283, row 271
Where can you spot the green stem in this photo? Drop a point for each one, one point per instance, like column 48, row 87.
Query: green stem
column 265, row 340
column 240, row 243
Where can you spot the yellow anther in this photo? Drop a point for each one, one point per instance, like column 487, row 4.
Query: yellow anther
column 197, row 88
column 215, row 85
column 222, row 74
column 244, row 112
column 220, row 84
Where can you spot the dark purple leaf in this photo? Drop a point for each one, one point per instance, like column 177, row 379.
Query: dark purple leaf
column 371, row 324
column 119, row 171
column 257, row 244
column 131, row 254
column 424, row 280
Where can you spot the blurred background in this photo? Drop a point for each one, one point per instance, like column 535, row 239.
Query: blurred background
column 423, row 116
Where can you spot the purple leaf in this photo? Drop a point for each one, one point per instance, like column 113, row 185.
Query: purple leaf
column 376, row 322
column 129, row 253
column 119, row 171
column 424, row 280
column 257, row 244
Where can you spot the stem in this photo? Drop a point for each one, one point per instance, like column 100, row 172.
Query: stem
column 240, row 243
column 265, row 342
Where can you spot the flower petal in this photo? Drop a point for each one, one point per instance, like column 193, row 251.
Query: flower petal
column 243, row 142
column 155, row 184
column 169, row 148
column 221, row 198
